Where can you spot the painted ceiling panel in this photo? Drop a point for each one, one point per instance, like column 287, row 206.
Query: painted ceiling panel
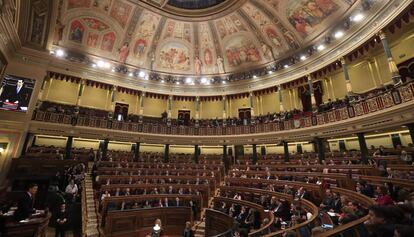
column 260, row 32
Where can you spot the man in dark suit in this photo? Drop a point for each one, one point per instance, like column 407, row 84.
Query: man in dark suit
column 193, row 207
column 19, row 94
column 61, row 221
column 25, row 204
column 188, row 232
column 302, row 194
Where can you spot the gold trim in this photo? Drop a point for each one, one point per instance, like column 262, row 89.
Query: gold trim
column 210, row 13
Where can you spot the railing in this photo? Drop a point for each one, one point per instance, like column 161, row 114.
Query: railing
column 248, row 204
column 218, row 224
column 353, row 228
column 308, row 206
column 184, row 198
column 396, row 96
column 84, row 209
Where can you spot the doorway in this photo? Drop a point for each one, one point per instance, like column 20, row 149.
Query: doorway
column 245, row 115
column 121, row 111
column 184, row 117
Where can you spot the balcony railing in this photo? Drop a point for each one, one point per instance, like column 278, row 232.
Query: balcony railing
column 396, row 96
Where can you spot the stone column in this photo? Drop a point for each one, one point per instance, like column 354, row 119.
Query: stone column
column 224, row 98
column 169, row 110
column 251, row 103
column 48, row 88
column 320, row 146
column 328, row 92
column 42, row 88
column 105, row 149
column 363, row 147
column 113, row 96
column 141, row 106
column 166, row 153
column 346, row 76
column 225, row 159
column 197, row 108
column 312, row 93
column 332, row 89
column 279, row 91
column 68, row 150
column 196, row 153
column 136, row 152
column 254, row 157
column 286, row 150
column 112, row 105
column 411, row 129
column 263, row 150
column 396, row 77
column 29, row 136
column 80, row 92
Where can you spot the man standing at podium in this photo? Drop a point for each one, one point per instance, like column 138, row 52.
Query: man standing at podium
column 25, row 205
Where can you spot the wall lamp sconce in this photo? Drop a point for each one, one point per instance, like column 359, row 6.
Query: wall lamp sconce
column 3, row 147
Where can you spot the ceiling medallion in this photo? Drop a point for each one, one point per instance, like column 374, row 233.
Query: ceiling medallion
column 194, row 4
column 197, row 10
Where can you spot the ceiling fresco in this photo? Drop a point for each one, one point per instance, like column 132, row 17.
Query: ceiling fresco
column 259, row 32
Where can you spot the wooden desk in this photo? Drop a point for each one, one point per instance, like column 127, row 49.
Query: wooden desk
column 204, row 189
column 218, row 224
column 35, row 227
column 342, row 180
column 139, row 223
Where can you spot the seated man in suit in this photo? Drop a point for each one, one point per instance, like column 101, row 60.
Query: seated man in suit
column 25, row 205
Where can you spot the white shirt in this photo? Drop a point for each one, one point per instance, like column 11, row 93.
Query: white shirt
column 72, row 189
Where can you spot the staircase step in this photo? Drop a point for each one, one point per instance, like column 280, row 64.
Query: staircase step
column 91, row 230
column 91, row 225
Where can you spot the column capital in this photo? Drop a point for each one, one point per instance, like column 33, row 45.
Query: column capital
column 114, row 88
column 382, row 34
column 144, row 93
column 83, row 81
column 309, row 77
column 170, row 97
column 343, row 60
column 197, row 98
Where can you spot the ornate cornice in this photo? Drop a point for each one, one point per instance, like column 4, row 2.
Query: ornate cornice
column 356, row 37
column 210, row 13
column 9, row 38
column 393, row 117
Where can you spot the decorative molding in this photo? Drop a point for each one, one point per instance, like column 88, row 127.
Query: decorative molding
column 389, row 118
column 356, row 38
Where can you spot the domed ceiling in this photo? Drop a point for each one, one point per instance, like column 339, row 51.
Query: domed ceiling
column 167, row 36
